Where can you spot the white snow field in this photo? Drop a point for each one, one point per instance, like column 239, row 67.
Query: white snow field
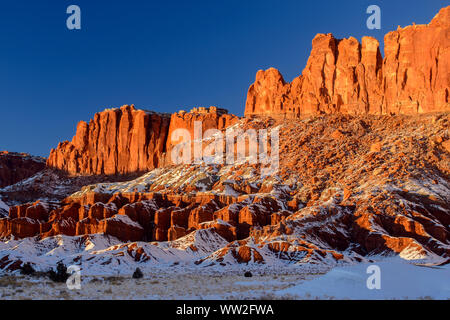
column 4, row 209
column 399, row 280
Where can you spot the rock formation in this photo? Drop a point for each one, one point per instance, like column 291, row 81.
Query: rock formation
column 345, row 76
column 15, row 167
column 416, row 68
column 124, row 141
column 347, row 186
column 128, row 217
column 357, row 181
column 116, row 141
column 210, row 118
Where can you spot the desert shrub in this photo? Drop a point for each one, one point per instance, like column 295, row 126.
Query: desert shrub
column 60, row 275
column 137, row 274
column 27, row 269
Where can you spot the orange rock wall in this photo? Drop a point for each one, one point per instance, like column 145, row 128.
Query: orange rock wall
column 126, row 140
column 345, row 76
column 116, row 141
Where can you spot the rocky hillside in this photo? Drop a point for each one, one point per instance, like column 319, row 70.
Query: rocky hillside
column 345, row 76
column 116, row 141
column 349, row 187
column 341, row 76
column 15, row 167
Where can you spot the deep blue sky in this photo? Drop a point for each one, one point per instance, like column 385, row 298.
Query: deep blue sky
column 158, row 55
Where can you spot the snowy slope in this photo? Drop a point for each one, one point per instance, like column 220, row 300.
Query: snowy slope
column 4, row 209
column 101, row 254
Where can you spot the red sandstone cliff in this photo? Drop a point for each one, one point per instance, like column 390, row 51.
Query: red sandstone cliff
column 126, row 140
column 116, row 141
column 350, row 77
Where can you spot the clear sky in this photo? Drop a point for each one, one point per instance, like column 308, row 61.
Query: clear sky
column 159, row 55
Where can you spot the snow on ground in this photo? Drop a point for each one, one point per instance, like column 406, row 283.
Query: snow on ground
column 399, row 280
column 167, row 285
column 4, row 209
column 3, row 205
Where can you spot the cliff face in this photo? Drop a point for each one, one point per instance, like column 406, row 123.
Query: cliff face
column 210, row 118
column 116, row 141
column 416, row 69
column 346, row 76
column 15, row 167
column 126, row 140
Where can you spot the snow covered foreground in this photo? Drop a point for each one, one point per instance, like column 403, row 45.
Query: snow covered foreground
column 107, row 266
column 399, row 280
column 3, row 209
